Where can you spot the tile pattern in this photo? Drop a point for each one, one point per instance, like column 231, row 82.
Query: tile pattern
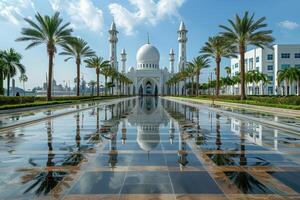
column 179, row 152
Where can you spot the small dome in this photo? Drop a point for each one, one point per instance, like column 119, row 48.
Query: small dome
column 131, row 69
column 147, row 57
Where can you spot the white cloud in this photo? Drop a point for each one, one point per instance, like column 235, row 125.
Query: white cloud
column 145, row 11
column 288, row 25
column 83, row 13
column 55, row 4
column 12, row 11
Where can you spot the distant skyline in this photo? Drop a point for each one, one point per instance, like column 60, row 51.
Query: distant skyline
column 91, row 20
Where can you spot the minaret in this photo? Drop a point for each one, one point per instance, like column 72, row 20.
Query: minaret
column 172, row 60
column 113, row 39
column 182, row 39
column 123, row 59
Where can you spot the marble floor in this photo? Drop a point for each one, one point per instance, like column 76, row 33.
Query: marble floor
column 148, row 148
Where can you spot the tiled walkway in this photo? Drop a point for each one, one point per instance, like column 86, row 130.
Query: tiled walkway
column 149, row 149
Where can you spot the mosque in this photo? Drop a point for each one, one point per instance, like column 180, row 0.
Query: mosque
column 148, row 77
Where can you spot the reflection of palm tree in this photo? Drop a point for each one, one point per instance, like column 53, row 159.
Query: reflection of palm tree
column 222, row 159
column 218, row 136
column 113, row 153
column 95, row 137
column 78, row 138
column 50, row 148
column 245, row 182
column 182, row 153
column 124, row 130
column 47, row 180
column 243, row 158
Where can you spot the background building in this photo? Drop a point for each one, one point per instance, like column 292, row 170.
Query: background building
column 268, row 61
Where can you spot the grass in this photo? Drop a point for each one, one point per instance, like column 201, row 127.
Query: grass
column 258, row 101
column 53, row 102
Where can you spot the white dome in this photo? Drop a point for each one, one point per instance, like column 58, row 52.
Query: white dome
column 147, row 57
column 148, row 139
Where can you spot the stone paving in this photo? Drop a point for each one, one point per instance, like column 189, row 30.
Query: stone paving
column 148, row 149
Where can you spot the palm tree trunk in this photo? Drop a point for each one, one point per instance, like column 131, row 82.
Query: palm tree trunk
column 24, row 88
column 287, row 88
column 218, row 61
column 105, row 87
column 197, row 87
column 123, row 88
column 8, row 85
column 242, row 69
column 192, row 85
column 50, row 70
column 98, row 87
column 1, row 84
column 112, row 88
column 78, row 76
column 298, row 87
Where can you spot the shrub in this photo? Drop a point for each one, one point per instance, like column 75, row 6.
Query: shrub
column 16, row 100
column 283, row 100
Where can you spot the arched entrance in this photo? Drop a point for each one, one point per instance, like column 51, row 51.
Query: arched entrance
column 148, row 88
column 155, row 91
column 141, row 91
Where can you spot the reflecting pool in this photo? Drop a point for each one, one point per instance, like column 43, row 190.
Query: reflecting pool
column 148, row 148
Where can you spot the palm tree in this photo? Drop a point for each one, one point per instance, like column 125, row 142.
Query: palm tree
column 228, row 71
column 92, row 85
column 199, row 63
column 216, row 48
column 98, row 63
column 228, row 78
column 1, row 72
column 78, row 49
column 23, row 78
column 189, row 70
column 288, row 75
column 243, row 32
column 10, row 64
column 297, row 79
column 106, row 71
column 254, row 76
column 50, row 31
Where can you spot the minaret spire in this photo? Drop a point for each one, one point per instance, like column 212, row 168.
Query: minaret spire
column 123, row 59
column 171, row 54
column 148, row 40
column 113, row 39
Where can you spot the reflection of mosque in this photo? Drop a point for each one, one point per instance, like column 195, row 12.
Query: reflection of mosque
column 150, row 115
column 147, row 117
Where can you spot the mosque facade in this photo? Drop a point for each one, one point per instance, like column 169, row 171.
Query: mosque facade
column 148, row 77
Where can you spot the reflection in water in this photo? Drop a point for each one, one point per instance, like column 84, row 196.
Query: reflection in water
column 147, row 118
column 247, row 183
column 43, row 182
column 144, row 132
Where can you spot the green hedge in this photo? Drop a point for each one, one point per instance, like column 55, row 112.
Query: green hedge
column 4, row 100
column 16, row 100
column 283, row 100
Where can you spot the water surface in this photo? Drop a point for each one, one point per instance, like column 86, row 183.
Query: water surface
column 148, row 148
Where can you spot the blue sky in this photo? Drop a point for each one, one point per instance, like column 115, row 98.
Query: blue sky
column 134, row 18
